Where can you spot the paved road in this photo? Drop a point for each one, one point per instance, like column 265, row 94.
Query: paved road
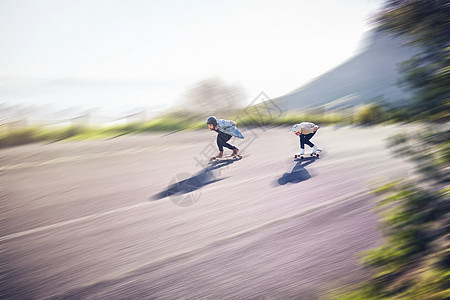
column 147, row 217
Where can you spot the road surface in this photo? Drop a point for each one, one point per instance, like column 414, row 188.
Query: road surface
column 146, row 216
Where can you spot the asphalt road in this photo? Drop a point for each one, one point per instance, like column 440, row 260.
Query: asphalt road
column 147, row 216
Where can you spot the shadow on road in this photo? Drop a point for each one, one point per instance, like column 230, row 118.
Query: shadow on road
column 298, row 173
column 186, row 183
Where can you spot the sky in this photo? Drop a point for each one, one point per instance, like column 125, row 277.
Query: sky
column 117, row 56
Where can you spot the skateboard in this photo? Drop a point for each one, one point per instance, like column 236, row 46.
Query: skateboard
column 302, row 156
column 226, row 158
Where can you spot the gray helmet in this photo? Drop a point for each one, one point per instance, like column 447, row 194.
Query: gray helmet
column 212, row 120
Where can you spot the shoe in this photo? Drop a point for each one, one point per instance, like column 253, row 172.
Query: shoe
column 302, row 151
column 314, row 149
column 220, row 154
column 235, row 151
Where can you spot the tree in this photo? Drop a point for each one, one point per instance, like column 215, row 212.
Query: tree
column 428, row 73
column 213, row 96
column 368, row 114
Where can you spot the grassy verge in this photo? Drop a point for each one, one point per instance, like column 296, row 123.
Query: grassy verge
column 21, row 136
column 290, row 119
column 175, row 121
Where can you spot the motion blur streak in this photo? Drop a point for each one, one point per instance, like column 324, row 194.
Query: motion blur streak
column 266, row 226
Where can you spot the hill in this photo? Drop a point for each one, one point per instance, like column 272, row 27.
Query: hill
column 370, row 75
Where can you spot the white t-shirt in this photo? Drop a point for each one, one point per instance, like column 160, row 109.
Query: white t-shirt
column 307, row 127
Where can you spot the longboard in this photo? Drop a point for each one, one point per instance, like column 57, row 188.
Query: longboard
column 226, row 158
column 302, row 156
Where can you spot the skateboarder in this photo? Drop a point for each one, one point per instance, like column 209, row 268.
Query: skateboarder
column 226, row 129
column 306, row 130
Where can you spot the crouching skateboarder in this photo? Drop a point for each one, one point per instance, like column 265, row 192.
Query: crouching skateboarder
column 306, row 130
column 225, row 129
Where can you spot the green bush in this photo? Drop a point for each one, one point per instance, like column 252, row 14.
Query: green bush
column 63, row 133
column 254, row 118
column 17, row 137
column 414, row 260
column 164, row 124
column 368, row 114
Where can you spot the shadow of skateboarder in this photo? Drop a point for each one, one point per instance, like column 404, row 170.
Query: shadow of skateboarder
column 185, row 183
column 298, row 173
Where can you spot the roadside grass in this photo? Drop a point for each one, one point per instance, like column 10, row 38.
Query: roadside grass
column 16, row 137
column 290, row 118
column 35, row 134
column 180, row 120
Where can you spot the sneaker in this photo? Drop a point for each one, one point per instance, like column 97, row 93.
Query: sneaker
column 220, row 154
column 302, row 151
column 235, row 151
column 314, row 149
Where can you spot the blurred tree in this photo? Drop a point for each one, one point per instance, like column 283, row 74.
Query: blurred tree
column 427, row 23
column 413, row 261
column 368, row 114
column 213, row 96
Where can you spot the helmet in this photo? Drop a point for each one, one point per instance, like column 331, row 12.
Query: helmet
column 296, row 128
column 212, row 120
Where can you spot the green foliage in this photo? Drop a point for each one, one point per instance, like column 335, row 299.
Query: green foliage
column 17, row 137
column 252, row 118
column 414, row 260
column 64, row 133
column 429, row 149
column 28, row 135
column 396, row 115
column 365, row 292
column 430, row 284
column 368, row 114
column 317, row 118
column 168, row 124
column 385, row 188
column 426, row 23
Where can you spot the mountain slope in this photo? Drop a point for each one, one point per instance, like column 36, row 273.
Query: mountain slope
column 371, row 74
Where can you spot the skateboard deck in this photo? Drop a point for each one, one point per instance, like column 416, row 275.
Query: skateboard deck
column 226, row 158
column 312, row 154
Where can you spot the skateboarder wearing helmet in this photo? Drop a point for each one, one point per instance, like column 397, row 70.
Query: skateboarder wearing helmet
column 225, row 129
column 306, row 130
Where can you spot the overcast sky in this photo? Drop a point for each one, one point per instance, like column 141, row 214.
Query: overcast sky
column 134, row 53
